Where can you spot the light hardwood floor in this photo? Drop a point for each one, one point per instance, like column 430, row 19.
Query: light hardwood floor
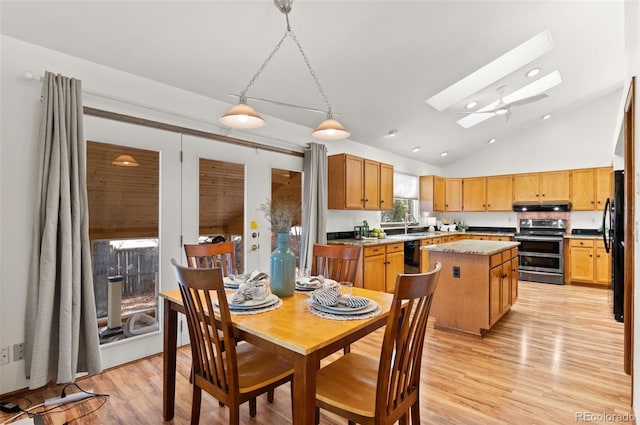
column 556, row 358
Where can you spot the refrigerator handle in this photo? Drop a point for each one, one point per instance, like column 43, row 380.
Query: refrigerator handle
column 607, row 241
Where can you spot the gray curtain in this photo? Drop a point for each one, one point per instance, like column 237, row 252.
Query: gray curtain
column 61, row 328
column 314, row 205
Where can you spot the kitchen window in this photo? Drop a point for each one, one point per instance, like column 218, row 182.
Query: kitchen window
column 405, row 199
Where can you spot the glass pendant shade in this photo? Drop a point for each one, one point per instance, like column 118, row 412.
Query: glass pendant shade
column 330, row 129
column 125, row 161
column 242, row 116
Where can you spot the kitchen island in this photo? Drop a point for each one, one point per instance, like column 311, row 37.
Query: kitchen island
column 478, row 284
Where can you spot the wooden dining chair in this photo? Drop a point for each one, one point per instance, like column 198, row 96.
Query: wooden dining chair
column 337, row 262
column 212, row 255
column 230, row 372
column 382, row 391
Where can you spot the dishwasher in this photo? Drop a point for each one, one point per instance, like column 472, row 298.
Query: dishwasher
column 412, row 257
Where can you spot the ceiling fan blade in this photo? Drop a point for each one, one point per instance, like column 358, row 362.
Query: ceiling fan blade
column 529, row 99
column 491, row 111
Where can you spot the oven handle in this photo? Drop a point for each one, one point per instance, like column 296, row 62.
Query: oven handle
column 538, row 238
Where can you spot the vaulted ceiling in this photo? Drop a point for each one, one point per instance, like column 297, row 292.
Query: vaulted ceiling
column 377, row 61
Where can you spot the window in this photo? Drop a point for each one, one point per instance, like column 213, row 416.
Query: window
column 123, row 228
column 286, row 187
column 405, row 199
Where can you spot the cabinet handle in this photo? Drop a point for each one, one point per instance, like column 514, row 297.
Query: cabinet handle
column 592, row 202
column 381, row 201
column 590, row 255
column 598, row 255
column 537, row 195
column 543, row 195
column 365, row 200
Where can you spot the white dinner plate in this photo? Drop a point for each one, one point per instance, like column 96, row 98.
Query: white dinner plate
column 344, row 310
column 252, row 304
column 229, row 283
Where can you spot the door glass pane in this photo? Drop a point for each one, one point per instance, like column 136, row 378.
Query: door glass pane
column 286, row 188
column 123, row 228
column 221, row 204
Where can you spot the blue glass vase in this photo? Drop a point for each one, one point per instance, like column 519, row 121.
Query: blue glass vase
column 282, row 268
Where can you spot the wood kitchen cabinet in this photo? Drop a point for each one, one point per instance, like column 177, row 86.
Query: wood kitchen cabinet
column 381, row 265
column 474, row 194
column 589, row 262
column 453, row 195
column 358, row 183
column 542, row 187
column 500, row 193
column 386, row 186
column 590, row 188
column 432, row 193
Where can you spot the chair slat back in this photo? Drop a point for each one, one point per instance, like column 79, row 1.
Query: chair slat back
column 337, row 262
column 401, row 356
column 211, row 256
column 209, row 339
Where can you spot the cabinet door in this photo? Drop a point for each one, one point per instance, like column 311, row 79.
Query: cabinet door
column 513, row 290
column 505, row 286
column 371, row 194
column 474, row 194
column 395, row 266
column 386, row 187
column 453, row 195
column 500, row 193
column 354, row 183
column 582, row 264
column 495, row 299
column 554, row 186
column 439, row 194
column 603, row 265
column 526, row 187
column 583, row 197
column 604, row 186
column 374, row 272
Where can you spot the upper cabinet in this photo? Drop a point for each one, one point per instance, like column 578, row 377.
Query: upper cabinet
column 590, row 188
column 500, row 193
column 541, row 187
column 432, row 193
column 453, row 194
column 474, row 194
column 386, row 186
column 359, row 183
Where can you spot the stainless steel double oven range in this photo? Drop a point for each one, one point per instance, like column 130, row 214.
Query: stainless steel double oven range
column 541, row 250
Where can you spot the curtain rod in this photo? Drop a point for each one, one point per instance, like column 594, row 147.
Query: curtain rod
column 38, row 78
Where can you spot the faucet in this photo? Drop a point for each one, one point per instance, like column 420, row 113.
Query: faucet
column 406, row 222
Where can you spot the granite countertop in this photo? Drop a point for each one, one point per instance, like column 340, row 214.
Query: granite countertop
column 408, row 237
column 473, row 247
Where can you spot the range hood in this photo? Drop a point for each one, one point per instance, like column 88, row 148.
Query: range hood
column 542, row 206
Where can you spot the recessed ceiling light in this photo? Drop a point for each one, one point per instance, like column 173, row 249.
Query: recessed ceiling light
column 546, row 117
column 471, row 104
column 492, row 141
column 444, row 153
column 533, row 72
column 500, row 67
column 416, row 149
column 392, row 133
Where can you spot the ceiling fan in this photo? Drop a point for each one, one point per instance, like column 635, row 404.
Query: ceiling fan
column 504, row 108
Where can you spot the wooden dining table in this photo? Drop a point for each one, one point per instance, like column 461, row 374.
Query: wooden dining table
column 291, row 331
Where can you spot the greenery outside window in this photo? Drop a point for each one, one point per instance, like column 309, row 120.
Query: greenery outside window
column 401, row 207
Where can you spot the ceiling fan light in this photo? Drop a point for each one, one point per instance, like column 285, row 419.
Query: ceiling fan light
column 125, row 160
column 533, row 72
column 501, row 111
column 242, row 116
column 471, row 104
column 330, row 129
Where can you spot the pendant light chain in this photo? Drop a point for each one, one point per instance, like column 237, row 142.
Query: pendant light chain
column 288, row 32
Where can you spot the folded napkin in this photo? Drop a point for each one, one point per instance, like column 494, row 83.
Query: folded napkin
column 244, row 293
column 354, row 302
column 326, row 296
column 256, row 276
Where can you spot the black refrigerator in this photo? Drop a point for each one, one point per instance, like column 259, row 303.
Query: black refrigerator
column 613, row 235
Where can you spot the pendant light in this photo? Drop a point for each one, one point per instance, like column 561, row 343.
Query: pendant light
column 125, row 161
column 244, row 116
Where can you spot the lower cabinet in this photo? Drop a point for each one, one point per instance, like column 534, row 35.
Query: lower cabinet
column 503, row 283
column 381, row 265
column 589, row 262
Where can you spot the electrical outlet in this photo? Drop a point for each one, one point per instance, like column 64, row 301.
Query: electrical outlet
column 456, row 271
column 18, row 351
column 4, row 355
